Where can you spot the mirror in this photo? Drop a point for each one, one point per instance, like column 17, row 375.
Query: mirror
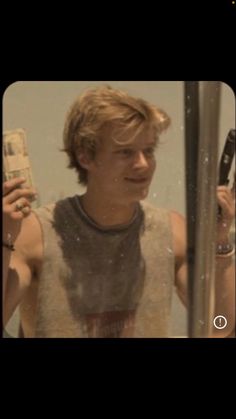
column 41, row 107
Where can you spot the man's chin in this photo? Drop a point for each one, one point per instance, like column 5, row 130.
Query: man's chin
column 138, row 195
column 144, row 194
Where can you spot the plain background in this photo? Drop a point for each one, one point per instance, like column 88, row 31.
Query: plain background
column 41, row 107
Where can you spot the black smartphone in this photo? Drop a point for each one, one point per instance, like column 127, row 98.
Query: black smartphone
column 226, row 161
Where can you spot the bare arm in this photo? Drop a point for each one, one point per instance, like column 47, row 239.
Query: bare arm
column 21, row 227
column 224, row 275
column 225, row 294
column 225, row 266
column 180, row 241
column 17, row 280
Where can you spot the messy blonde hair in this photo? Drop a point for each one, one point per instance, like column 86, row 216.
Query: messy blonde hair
column 104, row 106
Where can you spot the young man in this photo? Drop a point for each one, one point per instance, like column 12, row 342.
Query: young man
column 104, row 264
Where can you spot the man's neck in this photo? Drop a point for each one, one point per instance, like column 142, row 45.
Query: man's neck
column 105, row 212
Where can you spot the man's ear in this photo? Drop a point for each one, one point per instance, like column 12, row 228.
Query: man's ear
column 84, row 159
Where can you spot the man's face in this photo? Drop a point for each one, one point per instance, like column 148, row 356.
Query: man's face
column 124, row 172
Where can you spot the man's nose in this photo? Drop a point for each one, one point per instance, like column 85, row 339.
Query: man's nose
column 140, row 160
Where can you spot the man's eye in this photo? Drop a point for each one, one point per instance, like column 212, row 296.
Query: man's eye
column 149, row 151
column 126, row 152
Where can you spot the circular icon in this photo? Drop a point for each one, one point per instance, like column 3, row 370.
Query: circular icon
column 220, row 322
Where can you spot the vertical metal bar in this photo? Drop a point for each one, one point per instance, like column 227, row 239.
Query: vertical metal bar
column 191, row 100
column 204, row 266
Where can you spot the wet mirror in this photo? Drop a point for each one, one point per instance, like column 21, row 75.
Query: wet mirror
column 98, row 249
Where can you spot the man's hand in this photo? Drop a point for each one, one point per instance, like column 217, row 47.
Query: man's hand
column 16, row 206
column 226, row 200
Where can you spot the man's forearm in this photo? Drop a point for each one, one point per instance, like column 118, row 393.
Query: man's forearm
column 225, row 294
column 6, row 262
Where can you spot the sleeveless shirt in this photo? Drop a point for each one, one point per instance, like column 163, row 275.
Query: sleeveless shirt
column 99, row 282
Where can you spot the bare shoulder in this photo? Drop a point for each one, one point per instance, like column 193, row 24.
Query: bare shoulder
column 177, row 219
column 178, row 224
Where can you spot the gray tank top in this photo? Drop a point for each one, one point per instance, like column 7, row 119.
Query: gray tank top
column 98, row 282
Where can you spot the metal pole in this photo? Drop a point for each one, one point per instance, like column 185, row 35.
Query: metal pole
column 204, row 266
column 191, row 100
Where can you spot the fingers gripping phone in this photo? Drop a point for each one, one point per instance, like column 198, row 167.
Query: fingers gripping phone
column 226, row 160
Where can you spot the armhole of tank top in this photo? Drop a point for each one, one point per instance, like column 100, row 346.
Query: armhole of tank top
column 168, row 216
column 37, row 215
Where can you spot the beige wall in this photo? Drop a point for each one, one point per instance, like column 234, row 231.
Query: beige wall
column 40, row 108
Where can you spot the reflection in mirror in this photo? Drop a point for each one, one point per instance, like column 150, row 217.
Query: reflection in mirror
column 105, row 257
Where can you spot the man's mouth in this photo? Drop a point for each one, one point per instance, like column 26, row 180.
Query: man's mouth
column 137, row 179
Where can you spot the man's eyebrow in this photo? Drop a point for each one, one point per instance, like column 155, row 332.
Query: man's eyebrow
column 152, row 144
column 129, row 145
column 120, row 146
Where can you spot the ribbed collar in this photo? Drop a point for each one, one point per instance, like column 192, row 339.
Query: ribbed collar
column 117, row 228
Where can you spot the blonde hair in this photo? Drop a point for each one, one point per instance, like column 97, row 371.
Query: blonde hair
column 104, row 106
